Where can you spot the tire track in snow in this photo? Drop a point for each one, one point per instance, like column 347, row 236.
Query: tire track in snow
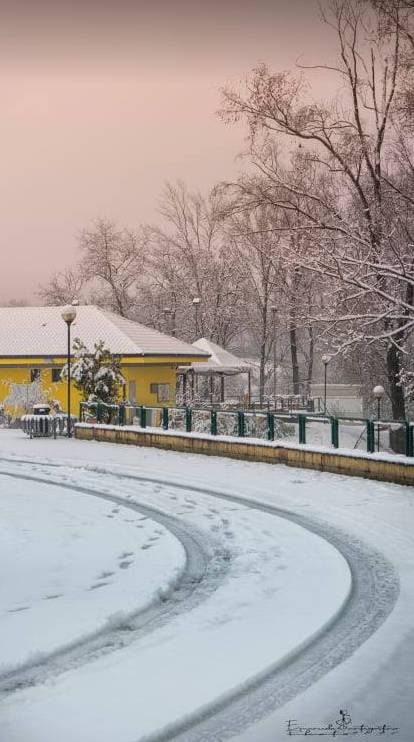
column 203, row 572
column 374, row 591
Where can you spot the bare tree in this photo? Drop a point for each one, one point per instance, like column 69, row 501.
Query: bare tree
column 16, row 303
column 189, row 257
column 335, row 177
column 275, row 248
column 63, row 288
column 113, row 259
column 256, row 251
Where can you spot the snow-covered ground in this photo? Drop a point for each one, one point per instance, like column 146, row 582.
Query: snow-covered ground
column 273, row 626
column 65, row 569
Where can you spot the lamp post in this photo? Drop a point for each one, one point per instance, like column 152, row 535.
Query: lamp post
column 378, row 392
column 273, row 309
column 325, row 361
column 196, row 304
column 69, row 315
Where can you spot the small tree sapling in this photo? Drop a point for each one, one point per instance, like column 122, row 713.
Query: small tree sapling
column 97, row 374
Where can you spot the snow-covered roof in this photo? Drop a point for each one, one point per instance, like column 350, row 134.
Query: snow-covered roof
column 220, row 361
column 41, row 331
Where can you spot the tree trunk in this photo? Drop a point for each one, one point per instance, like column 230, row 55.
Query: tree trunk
column 310, row 360
column 293, row 337
column 396, row 390
column 263, row 341
column 294, row 357
column 262, row 369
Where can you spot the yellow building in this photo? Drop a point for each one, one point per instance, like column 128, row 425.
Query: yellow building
column 33, row 350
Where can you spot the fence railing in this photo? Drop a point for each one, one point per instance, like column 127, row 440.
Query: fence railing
column 269, row 403
column 392, row 436
column 46, row 426
column 288, row 403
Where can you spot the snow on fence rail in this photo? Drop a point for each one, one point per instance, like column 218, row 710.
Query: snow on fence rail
column 46, row 426
column 345, row 432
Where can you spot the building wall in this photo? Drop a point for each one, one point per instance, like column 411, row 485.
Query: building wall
column 19, row 372
column 140, row 373
column 144, row 377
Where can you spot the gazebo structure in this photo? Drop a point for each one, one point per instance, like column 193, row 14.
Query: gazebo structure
column 220, row 364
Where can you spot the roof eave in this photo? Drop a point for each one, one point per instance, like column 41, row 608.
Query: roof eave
column 50, row 356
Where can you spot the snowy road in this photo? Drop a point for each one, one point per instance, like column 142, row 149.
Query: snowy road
column 272, row 622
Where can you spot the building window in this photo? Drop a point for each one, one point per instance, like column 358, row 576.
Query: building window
column 34, row 374
column 132, row 391
column 56, row 375
column 162, row 391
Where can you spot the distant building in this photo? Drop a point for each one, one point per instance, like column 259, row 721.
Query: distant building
column 33, row 348
column 341, row 399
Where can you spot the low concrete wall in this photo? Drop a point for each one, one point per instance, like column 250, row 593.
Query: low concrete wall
column 383, row 469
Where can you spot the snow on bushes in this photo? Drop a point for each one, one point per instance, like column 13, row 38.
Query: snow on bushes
column 97, row 375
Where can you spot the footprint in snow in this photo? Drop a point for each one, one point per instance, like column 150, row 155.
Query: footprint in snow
column 53, row 597
column 97, row 585
column 126, row 554
column 104, row 575
column 125, row 564
column 269, row 591
column 19, row 610
column 146, row 546
column 115, row 510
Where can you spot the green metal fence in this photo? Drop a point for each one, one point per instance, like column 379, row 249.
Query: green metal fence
column 352, row 433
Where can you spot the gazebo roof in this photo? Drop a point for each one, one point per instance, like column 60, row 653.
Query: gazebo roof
column 221, row 361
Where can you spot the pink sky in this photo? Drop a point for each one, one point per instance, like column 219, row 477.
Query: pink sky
column 104, row 101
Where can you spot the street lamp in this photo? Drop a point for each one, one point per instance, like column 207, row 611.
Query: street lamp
column 325, row 361
column 378, row 392
column 273, row 309
column 196, row 304
column 69, row 315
